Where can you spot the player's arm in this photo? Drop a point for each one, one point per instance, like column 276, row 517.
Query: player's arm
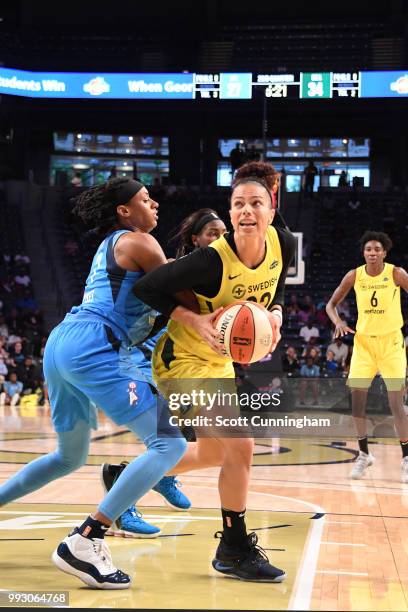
column 340, row 328
column 139, row 251
column 201, row 268
column 400, row 278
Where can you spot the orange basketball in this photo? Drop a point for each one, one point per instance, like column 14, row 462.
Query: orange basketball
column 246, row 333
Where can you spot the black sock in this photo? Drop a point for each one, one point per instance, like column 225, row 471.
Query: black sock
column 91, row 528
column 404, row 446
column 363, row 445
column 234, row 528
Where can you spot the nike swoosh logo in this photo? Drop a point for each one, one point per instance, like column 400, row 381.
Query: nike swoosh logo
column 232, row 277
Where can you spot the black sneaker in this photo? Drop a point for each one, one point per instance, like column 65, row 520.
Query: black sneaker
column 110, row 472
column 248, row 563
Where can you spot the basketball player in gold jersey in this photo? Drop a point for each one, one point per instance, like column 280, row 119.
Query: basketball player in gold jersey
column 250, row 262
column 378, row 342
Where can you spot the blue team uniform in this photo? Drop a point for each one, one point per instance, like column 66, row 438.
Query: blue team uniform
column 89, row 355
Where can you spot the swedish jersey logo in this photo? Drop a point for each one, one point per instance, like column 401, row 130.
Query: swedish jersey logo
column 239, row 291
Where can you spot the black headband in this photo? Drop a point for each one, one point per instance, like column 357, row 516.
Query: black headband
column 264, row 184
column 250, row 179
column 126, row 192
column 199, row 224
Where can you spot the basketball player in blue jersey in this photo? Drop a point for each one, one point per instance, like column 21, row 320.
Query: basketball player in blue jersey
column 86, row 362
column 197, row 230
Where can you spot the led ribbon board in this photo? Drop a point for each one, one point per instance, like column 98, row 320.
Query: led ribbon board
column 189, row 86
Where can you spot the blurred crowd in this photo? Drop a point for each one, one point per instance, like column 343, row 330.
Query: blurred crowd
column 22, row 335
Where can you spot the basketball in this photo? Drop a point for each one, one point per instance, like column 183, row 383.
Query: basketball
column 246, row 333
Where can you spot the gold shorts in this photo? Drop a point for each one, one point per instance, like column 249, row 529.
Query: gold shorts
column 177, row 373
column 385, row 355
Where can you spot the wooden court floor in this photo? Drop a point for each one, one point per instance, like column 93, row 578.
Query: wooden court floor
column 343, row 543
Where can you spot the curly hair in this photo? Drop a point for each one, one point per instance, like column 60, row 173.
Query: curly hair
column 185, row 232
column 95, row 206
column 381, row 237
column 263, row 172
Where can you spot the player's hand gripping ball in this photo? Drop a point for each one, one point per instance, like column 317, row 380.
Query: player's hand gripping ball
column 246, row 333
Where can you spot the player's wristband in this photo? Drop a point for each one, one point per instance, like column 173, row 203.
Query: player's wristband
column 278, row 312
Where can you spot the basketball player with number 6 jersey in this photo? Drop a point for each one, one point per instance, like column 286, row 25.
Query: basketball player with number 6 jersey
column 379, row 345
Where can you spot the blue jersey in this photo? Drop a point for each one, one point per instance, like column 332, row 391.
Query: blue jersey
column 109, row 297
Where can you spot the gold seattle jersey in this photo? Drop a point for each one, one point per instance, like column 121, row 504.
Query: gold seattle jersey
column 378, row 302
column 238, row 283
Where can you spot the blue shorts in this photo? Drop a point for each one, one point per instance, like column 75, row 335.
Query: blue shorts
column 84, row 363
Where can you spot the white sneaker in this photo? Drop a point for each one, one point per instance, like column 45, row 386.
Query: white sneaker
column 362, row 462
column 89, row 560
column 404, row 470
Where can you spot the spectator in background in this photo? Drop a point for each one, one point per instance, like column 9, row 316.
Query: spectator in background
column 28, row 374
column 293, row 308
column 310, row 173
column 3, row 352
column 3, row 370
column 22, row 278
column 252, row 154
column 16, row 355
column 321, row 317
column 4, row 331
column 14, row 321
column 303, row 316
column 309, row 373
column 76, row 180
column 343, row 182
column 308, row 306
column 290, row 362
column 41, row 346
column 340, row 351
column 21, row 258
column 11, row 391
column 309, row 331
column 32, row 333
column 13, row 338
column 237, row 157
column 331, row 366
column 27, row 303
column 313, row 351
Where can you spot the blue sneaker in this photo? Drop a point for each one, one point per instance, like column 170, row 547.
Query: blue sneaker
column 130, row 524
column 169, row 488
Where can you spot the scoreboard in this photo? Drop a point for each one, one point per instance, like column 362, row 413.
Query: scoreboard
column 302, row 85
column 200, row 86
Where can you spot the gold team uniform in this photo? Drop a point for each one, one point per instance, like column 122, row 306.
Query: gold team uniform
column 181, row 353
column 379, row 346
